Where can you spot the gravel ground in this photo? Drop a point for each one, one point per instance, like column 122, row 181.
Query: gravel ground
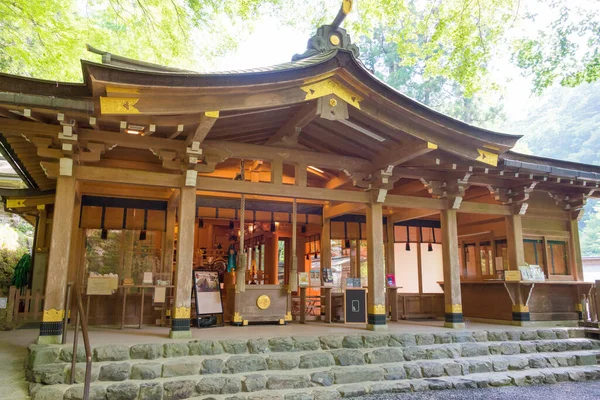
column 568, row 391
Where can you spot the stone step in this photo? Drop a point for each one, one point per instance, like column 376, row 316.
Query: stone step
column 289, row 388
column 188, row 384
column 44, row 371
column 51, row 354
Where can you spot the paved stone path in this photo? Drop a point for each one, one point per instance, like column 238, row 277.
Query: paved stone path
column 562, row 391
column 12, row 372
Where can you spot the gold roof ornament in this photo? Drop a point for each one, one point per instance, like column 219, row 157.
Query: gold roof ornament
column 331, row 37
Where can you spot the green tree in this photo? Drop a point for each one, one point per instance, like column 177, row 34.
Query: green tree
column 381, row 56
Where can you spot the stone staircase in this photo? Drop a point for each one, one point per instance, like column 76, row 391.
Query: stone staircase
column 317, row 368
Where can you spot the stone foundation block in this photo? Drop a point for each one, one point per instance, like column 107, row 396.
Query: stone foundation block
column 282, row 361
column 402, row 340
column 352, row 390
column 345, row 357
column 146, row 371
column 393, row 387
column 50, row 374
column 146, row 351
column 176, row 390
column 258, row 346
column 424, row 339
column 331, row 342
column 474, row 350
column 114, row 372
column 372, row 341
column 76, row 393
column 439, row 384
column 40, row 354
column 323, row 378
column 384, row 356
column 414, row 353
column 281, row 344
column 254, row 383
column 180, row 368
column 316, row 360
column 212, row 366
column 394, row 373
column 235, row 346
column 354, row 375
column 282, row 382
column 151, row 391
column 353, row 342
column 239, row 364
column 122, row 391
column 306, row 343
column 205, row 348
column 175, row 350
column 113, row 352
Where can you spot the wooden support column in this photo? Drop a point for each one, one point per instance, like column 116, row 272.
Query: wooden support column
column 452, row 296
column 181, row 313
column 514, row 238
column 390, row 255
column 169, row 240
column 40, row 249
column 376, row 315
column 577, row 262
column 325, row 242
column 51, row 328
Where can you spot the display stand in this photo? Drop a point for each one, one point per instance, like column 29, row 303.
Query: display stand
column 355, row 306
column 206, row 293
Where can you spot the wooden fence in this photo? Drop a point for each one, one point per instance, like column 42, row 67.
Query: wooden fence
column 23, row 306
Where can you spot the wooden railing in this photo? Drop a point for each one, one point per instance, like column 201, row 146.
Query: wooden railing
column 80, row 318
column 23, row 306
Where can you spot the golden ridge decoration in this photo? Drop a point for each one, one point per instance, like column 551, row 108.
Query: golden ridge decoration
column 53, row 315
column 320, row 89
column 118, row 105
column 263, row 302
column 377, row 309
column 110, row 90
column 182, row 312
column 454, row 308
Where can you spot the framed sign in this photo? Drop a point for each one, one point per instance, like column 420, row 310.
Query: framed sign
column 355, row 306
column 207, row 292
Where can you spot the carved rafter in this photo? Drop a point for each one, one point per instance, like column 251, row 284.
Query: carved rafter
column 452, row 190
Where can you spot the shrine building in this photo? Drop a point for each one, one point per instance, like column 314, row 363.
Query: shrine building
column 312, row 172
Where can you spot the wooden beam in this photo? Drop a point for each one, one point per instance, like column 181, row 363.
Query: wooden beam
column 401, row 154
column 207, row 120
column 300, row 174
column 269, row 189
column 128, row 176
column 341, row 209
column 414, row 213
column 337, row 181
column 396, row 200
column 289, row 131
column 289, row 156
column 177, row 131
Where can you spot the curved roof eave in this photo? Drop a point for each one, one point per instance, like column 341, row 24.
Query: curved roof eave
column 295, row 70
column 551, row 165
column 26, row 85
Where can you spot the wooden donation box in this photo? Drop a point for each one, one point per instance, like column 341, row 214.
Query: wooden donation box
column 259, row 303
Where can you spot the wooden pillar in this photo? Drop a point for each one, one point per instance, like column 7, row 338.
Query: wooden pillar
column 40, row 249
column 576, row 262
column 325, row 243
column 181, row 313
column 514, row 238
column 452, row 296
column 169, row 241
column 390, row 255
column 51, row 328
column 376, row 315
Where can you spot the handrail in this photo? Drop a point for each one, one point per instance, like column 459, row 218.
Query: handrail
column 80, row 317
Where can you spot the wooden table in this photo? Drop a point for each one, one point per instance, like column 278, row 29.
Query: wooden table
column 392, row 298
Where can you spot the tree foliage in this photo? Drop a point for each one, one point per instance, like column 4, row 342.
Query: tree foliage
column 567, row 51
column 381, row 56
